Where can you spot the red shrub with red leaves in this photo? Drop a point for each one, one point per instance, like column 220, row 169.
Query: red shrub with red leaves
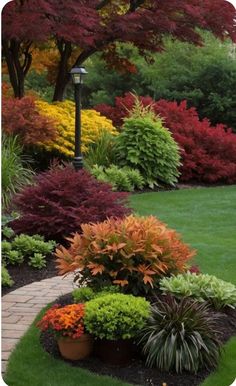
column 208, row 153
column 21, row 117
column 61, row 200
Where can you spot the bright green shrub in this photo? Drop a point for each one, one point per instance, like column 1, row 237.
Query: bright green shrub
column 7, row 232
column 37, row 261
column 83, row 294
column 180, row 336
column 121, row 179
column 6, row 278
column 202, row 287
column 14, row 257
column 5, row 248
column 145, row 144
column 116, row 316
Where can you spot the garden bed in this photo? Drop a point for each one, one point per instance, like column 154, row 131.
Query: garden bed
column 136, row 372
column 23, row 274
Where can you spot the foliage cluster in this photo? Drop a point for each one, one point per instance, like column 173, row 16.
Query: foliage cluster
column 147, row 145
column 21, row 117
column 16, row 172
column 63, row 114
column 202, row 287
column 102, row 152
column 67, row 321
column 15, row 249
column 116, row 316
column 6, row 278
column 83, row 294
column 181, row 336
column 122, row 179
column 61, row 199
column 133, row 253
column 208, row 153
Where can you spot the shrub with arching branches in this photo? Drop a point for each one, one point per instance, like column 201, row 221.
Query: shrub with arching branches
column 61, row 199
column 134, row 253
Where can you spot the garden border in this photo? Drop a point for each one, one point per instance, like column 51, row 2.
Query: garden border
column 20, row 307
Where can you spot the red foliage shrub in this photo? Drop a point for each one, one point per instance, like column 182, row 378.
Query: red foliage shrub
column 21, row 117
column 61, row 199
column 208, row 153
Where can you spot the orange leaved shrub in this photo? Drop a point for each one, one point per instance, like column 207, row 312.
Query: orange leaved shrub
column 133, row 252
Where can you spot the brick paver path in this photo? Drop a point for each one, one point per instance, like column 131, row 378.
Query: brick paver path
column 20, row 307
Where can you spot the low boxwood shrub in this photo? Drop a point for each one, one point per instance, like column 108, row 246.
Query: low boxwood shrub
column 133, row 253
column 38, row 260
column 180, row 336
column 145, row 144
column 202, row 287
column 61, row 199
column 121, row 179
column 116, row 316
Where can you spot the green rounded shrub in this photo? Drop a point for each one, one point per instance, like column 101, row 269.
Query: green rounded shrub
column 202, row 287
column 6, row 278
column 116, row 316
column 84, row 294
column 181, row 336
column 145, row 144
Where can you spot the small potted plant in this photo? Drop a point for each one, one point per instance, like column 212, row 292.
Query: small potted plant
column 115, row 320
column 67, row 325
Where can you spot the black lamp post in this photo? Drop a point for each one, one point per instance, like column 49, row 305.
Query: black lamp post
column 77, row 74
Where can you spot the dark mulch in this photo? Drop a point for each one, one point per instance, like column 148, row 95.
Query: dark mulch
column 23, row 274
column 136, row 372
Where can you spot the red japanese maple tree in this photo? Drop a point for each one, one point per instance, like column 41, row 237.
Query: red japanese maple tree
column 96, row 25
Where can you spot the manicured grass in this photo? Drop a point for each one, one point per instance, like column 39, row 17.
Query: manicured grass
column 206, row 218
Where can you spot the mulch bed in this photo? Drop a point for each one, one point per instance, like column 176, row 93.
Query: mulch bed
column 136, row 373
column 23, row 274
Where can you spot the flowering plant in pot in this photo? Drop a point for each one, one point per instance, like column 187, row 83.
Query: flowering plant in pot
column 67, row 325
column 115, row 320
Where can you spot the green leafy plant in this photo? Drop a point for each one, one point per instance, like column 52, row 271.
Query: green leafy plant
column 15, row 170
column 180, row 336
column 6, row 248
column 121, row 179
column 7, row 232
column 37, row 261
column 145, row 144
column 6, row 278
column 83, row 294
column 29, row 244
column 202, row 287
column 14, row 257
column 103, row 152
column 116, row 316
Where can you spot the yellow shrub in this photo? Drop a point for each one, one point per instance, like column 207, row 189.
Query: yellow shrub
column 63, row 114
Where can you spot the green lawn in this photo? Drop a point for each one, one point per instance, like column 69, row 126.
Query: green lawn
column 206, row 218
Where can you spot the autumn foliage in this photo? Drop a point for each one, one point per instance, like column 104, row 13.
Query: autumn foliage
column 61, row 199
column 208, row 153
column 133, row 253
column 21, row 117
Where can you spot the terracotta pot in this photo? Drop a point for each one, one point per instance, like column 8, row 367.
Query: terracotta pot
column 115, row 352
column 75, row 349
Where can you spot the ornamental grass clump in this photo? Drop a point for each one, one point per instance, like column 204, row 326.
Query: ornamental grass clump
column 133, row 253
column 181, row 336
column 202, row 287
column 67, row 321
column 116, row 316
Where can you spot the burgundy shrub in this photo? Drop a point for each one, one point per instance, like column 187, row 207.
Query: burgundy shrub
column 62, row 199
column 208, row 152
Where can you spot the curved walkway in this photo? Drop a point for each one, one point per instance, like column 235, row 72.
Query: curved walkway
column 20, row 307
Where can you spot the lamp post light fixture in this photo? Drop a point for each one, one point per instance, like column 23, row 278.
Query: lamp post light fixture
column 77, row 74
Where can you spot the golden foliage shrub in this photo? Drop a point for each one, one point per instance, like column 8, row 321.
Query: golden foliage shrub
column 134, row 253
column 63, row 114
